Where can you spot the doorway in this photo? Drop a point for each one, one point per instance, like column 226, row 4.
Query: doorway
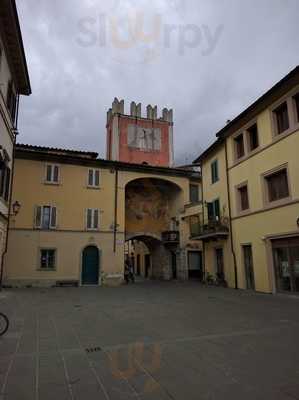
column 248, row 264
column 286, row 264
column 195, row 265
column 90, row 266
column 147, row 265
column 173, row 265
column 219, row 262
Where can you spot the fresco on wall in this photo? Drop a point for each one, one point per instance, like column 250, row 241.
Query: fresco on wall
column 147, row 206
column 144, row 138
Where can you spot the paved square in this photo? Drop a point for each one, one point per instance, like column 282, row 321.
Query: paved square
column 149, row 341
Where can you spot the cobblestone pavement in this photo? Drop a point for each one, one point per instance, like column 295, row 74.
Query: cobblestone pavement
column 149, row 341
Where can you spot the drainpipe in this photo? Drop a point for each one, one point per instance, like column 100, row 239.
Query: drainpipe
column 14, row 132
column 115, row 210
column 230, row 220
column 203, row 222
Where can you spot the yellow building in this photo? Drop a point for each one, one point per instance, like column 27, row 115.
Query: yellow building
column 14, row 81
column 77, row 212
column 250, row 183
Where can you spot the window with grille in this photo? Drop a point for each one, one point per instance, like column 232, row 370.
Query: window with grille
column 47, row 259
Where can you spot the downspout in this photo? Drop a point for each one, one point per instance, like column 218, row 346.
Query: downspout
column 203, row 222
column 15, row 128
column 115, row 210
column 230, row 220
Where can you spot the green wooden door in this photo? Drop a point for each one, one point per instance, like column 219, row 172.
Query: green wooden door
column 90, row 266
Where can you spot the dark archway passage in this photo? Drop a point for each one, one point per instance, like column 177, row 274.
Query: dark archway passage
column 90, row 266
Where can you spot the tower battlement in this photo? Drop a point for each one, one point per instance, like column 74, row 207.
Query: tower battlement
column 118, row 107
column 137, row 138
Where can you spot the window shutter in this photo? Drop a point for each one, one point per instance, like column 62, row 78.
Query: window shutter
column 216, row 170
column 2, row 182
column 97, row 178
column 210, row 211
column 38, row 216
column 89, row 218
column 90, row 177
column 96, row 219
column 56, row 173
column 49, row 173
column 7, row 183
column 217, row 208
column 53, row 217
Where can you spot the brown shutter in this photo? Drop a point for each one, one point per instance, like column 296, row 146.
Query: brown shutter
column 53, row 217
column 38, row 216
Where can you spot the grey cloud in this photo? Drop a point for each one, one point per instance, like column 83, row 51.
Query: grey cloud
column 73, row 86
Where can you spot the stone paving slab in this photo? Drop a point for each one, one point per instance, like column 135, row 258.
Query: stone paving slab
column 149, row 341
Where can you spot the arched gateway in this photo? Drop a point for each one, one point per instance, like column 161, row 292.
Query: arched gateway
column 151, row 207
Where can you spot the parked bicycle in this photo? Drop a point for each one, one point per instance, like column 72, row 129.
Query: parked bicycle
column 4, row 324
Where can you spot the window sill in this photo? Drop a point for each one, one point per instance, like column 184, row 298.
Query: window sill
column 243, row 213
column 277, row 203
column 45, row 229
column 47, row 269
column 278, row 136
column 93, row 187
column 214, row 183
column 51, row 183
column 93, row 230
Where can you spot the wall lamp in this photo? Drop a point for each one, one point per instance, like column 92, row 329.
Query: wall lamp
column 15, row 208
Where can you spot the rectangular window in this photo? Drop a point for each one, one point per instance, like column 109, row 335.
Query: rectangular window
column 52, row 173
column 45, row 217
column 277, row 185
column 4, row 182
column 92, row 219
column 11, row 100
column 194, row 194
column 282, row 118
column 47, row 258
column 214, row 171
column 194, row 224
column 214, row 210
column 239, row 146
column 93, row 178
column 253, row 138
column 243, row 198
column 296, row 101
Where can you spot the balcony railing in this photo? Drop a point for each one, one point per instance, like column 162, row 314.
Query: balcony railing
column 171, row 237
column 212, row 230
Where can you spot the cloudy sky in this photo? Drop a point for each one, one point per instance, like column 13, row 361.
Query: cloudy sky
column 206, row 59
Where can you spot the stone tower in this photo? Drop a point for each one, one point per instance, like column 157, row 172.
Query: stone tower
column 139, row 139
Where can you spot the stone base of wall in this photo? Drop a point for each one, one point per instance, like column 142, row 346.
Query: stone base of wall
column 182, row 266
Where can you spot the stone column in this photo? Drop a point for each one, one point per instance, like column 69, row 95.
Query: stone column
column 161, row 261
column 182, row 266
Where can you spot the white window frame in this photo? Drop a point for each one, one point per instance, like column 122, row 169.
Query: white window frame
column 93, row 227
column 52, row 181
column 40, row 225
column 93, row 185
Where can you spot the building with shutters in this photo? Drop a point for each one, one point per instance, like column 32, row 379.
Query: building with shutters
column 78, row 212
column 250, row 181
column 14, row 81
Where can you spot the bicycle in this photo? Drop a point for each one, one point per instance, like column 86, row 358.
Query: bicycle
column 4, row 324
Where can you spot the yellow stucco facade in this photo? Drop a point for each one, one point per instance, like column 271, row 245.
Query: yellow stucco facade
column 71, row 195
column 262, row 219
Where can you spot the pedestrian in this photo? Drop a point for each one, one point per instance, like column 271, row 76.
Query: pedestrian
column 127, row 271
